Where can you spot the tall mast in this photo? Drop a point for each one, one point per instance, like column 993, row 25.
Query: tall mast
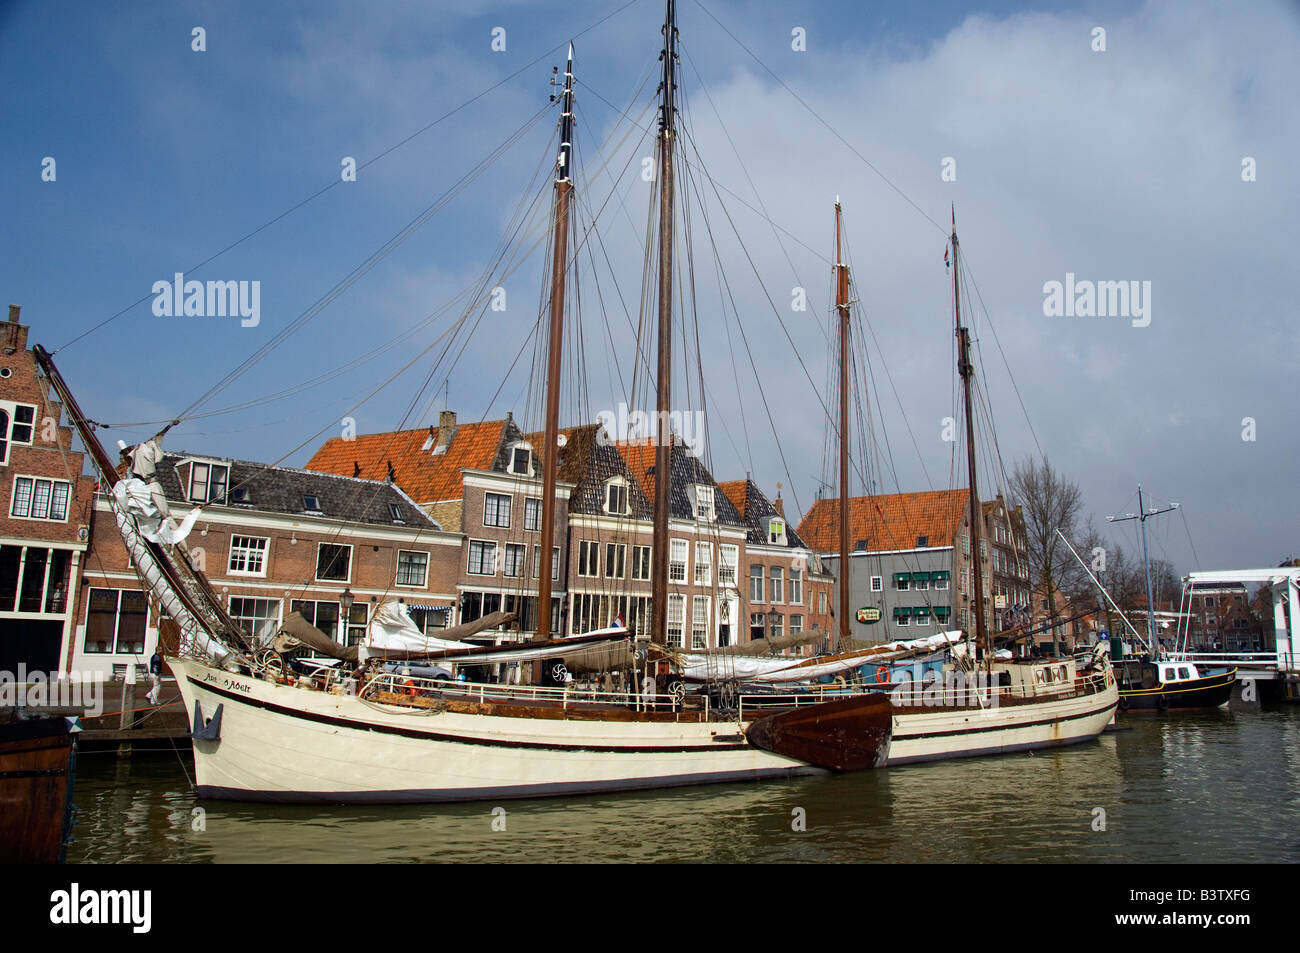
column 842, row 305
column 559, row 268
column 965, row 369
column 1142, row 516
column 663, row 441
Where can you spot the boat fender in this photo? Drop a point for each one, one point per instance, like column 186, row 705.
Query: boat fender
column 1163, row 703
column 1123, row 703
column 409, row 686
column 209, row 730
column 882, row 674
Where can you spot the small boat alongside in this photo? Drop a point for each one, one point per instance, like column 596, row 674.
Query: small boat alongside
column 1147, row 686
column 37, row 762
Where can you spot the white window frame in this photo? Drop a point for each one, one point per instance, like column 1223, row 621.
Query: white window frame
column 703, row 563
column 589, row 555
column 555, row 563
column 509, row 509
column 532, row 514
column 877, row 583
column 755, row 597
column 699, row 627
column 776, row 530
column 520, row 552
column 796, row 586
column 424, row 581
column 263, row 553
column 10, row 409
column 619, row 568
column 776, row 578
column 677, row 602
column 34, row 482
column 207, row 483
column 528, row 467
column 486, row 546
column 705, row 509
column 637, row 551
column 621, row 484
column 679, row 554
column 728, row 564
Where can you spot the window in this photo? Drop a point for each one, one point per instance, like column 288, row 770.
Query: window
column 877, row 584
column 247, row 556
column 17, row 423
column 676, row 619
column 208, row 482
column 757, row 621
column 922, row 542
column 412, row 568
column 920, row 580
column 821, row 602
column 115, row 621
column 796, row 624
column 521, row 459
column 796, row 587
column 311, row 503
column 482, row 559
column 588, row 558
column 755, row 584
column 922, row 615
column 334, row 563
column 615, row 560
column 532, row 514
column 515, row 553
column 941, row 580
column 965, row 545
column 776, row 531
column 901, row 619
column 677, row 557
column 259, row 618
column 703, row 564
column 496, row 510
column 700, row 622
column 778, row 626
column 37, row 499
column 965, row 583
column 704, row 503
column 616, row 497
column 778, row 584
column 728, row 559
column 323, row 615
column 984, row 549
column 475, row 605
column 902, row 581
column 640, row 562
column 395, row 511
column 555, row 562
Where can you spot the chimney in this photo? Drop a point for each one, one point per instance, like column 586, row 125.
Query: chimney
column 13, row 313
column 446, row 427
column 778, row 504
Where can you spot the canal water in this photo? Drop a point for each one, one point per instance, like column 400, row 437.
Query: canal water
column 1218, row 787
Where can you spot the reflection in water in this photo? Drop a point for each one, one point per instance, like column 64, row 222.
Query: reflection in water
column 1174, row 789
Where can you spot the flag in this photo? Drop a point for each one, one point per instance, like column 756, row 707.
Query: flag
column 946, row 263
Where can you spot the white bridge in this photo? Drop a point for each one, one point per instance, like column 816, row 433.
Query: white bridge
column 1277, row 665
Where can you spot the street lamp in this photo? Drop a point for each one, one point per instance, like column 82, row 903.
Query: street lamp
column 346, row 598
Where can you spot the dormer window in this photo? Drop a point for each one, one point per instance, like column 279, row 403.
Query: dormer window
column 521, row 460
column 208, row 483
column 311, row 503
column 776, row 531
column 395, row 511
column 703, row 499
column 616, row 497
column 242, row 495
column 922, row 542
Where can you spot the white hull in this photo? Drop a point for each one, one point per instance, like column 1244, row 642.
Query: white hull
column 946, row 733
column 286, row 744
column 279, row 743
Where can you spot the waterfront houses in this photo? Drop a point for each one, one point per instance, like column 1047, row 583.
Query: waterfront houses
column 45, row 509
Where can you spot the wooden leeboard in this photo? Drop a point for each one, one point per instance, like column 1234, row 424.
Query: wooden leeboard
column 851, row 734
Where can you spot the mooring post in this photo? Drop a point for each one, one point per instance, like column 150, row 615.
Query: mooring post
column 127, row 719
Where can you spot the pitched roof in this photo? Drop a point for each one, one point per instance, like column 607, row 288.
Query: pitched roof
column 426, row 476
column 275, row 489
column 756, row 509
column 686, row 471
column 889, row 522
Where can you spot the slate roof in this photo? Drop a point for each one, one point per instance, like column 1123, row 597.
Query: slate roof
column 686, row 470
column 757, row 509
column 426, row 476
column 275, row 489
column 889, row 522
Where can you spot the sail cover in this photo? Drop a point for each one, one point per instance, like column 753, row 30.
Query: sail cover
column 704, row 668
column 392, row 628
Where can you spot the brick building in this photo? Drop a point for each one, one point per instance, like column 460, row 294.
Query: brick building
column 45, row 508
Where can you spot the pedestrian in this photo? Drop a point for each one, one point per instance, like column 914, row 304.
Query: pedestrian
column 155, row 676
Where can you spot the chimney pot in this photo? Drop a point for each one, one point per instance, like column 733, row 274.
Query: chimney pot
column 13, row 313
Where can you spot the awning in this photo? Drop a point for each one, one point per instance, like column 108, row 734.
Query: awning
column 941, row 574
column 900, row 611
column 902, row 577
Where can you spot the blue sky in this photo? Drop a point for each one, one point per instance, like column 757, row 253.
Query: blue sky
column 1115, row 165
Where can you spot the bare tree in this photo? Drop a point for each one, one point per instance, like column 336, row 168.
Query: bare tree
column 1050, row 502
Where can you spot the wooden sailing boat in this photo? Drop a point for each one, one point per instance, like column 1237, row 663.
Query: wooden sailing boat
column 980, row 705
column 375, row 736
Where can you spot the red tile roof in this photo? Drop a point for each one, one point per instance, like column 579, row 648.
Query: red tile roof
column 640, row 459
column 736, row 491
column 424, row 476
column 889, row 522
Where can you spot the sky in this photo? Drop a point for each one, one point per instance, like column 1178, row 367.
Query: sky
column 1147, row 142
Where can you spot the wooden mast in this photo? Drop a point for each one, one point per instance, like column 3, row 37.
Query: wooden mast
column 842, row 305
column 559, row 268
column 663, row 436
column 965, row 369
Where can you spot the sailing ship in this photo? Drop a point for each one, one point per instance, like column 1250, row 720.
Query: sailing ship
column 356, row 734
